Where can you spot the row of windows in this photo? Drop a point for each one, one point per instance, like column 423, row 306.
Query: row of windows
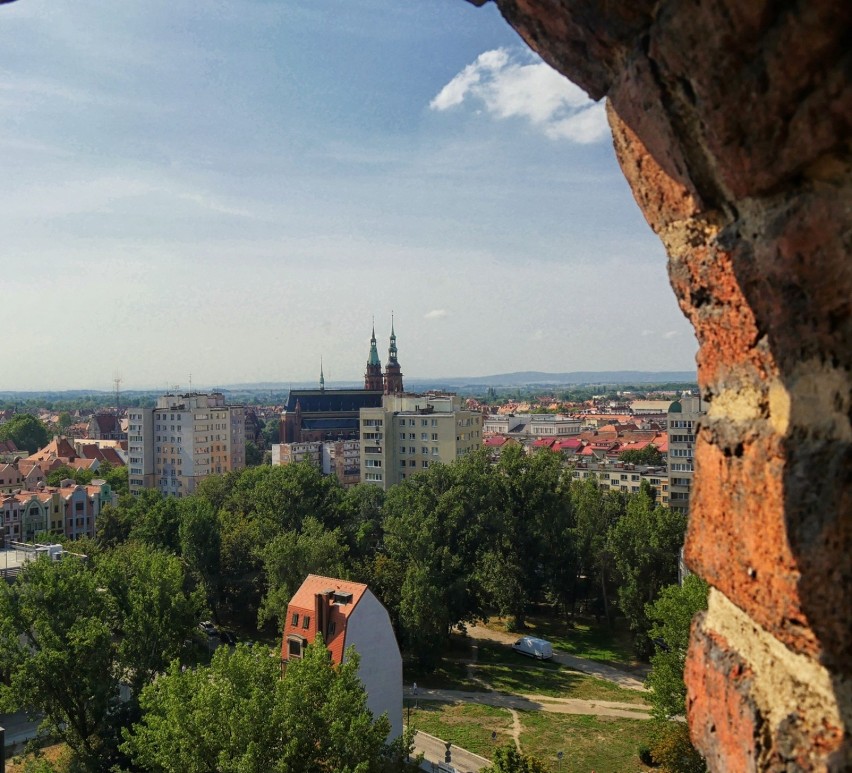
column 683, row 438
column 682, row 452
column 681, row 424
column 423, row 422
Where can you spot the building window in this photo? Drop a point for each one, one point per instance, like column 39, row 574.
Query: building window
column 306, row 621
column 294, row 648
column 332, row 627
column 434, row 436
column 295, row 619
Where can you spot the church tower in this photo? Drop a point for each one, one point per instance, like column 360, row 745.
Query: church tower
column 373, row 374
column 393, row 374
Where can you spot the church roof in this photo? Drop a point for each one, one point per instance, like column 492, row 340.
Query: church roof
column 333, row 400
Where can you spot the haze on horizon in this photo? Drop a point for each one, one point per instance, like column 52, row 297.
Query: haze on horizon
column 235, row 190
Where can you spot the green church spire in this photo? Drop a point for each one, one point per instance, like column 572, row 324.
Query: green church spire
column 374, row 352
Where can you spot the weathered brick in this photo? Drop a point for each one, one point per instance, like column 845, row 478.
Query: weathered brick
column 723, row 718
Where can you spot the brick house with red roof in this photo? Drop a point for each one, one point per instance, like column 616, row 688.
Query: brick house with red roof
column 349, row 614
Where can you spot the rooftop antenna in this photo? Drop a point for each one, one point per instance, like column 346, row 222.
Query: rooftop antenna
column 117, row 381
column 190, row 383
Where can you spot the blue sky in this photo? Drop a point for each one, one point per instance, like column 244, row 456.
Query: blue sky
column 234, row 189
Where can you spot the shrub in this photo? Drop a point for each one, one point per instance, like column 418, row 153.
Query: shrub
column 673, row 751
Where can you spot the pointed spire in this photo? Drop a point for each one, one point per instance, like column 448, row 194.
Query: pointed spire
column 322, row 377
column 373, row 359
column 392, row 348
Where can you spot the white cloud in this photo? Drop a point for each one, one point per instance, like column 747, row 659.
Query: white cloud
column 511, row 87
column 671, row 334
column 436, row 314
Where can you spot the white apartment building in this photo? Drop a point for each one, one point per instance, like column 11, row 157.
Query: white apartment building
column 537, row 425
column 683, row 417
column 410, row 432
column 183, row 440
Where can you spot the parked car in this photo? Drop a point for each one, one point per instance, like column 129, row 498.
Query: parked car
column 208, row 628
column 534, row 648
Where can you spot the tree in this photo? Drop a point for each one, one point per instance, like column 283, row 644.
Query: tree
column 78, row 475
column 115, row 476
column 56, row 644
column 671, row 615
column 153, row 613
column 645, row 545
column 290, row 557
column 254, row 456
column 596, row 512
column 649, row 455
column 507, row 759
column 71, row 631
column 25, row 431
column 200, row 542
column 239, row 715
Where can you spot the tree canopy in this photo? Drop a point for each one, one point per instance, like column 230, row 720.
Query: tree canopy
column 25, row 431
column 238, row 715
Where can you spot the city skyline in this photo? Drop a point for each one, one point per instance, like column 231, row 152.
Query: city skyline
column 237, row 191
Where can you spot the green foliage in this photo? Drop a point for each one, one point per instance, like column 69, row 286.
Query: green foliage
column 649, row 455
column 671, row 615
column 673, row 751
column 71, row 630
column 254, row 456
column 239, row 715
column 26, row 431
column 507, row 759
column 153, row 614
column 644, row 545
column 56, row 644
column 115, row 476
column 288, row 558
column 80, row 476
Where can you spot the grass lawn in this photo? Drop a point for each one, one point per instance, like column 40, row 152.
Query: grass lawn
column 467, row 725
column 585, row 638
column 518, row 674
column 600, row 744
column 449, row 675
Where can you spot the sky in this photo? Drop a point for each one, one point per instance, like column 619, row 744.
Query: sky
column 235, row 190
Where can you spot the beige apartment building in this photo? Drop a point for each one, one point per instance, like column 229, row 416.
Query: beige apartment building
column 410, row 432
column 624, row 477
column 183, row 440
column 683, row 416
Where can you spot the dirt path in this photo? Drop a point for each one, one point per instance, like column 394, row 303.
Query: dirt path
column 535, row 703
column 591, row 667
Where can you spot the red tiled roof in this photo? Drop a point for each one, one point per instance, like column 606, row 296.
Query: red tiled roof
column 304, row 604
column 495, row 442
column 569, row 444
column 544, row 442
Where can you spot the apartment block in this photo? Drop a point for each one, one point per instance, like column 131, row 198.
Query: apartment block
column 624, row 477
column 410, row 432
column 183, row 440
column 683, row 417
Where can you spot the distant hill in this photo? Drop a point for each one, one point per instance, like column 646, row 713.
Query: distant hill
column 519, row 378
column 533, row 377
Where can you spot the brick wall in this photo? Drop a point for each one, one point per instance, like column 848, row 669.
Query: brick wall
column 731, row 121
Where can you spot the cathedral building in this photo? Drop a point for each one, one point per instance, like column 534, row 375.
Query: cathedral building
column 332, row 414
